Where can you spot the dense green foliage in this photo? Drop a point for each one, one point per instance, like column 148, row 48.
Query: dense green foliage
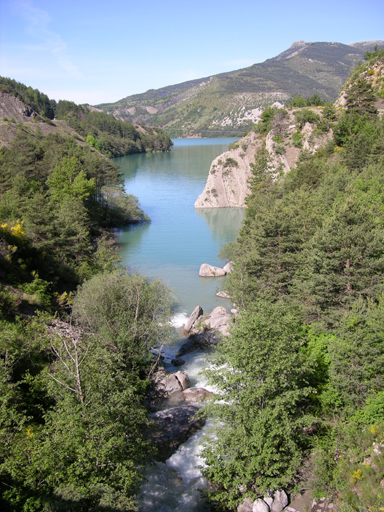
column 142, row 307
column 65, row 198
column 267, row 401
column 301, row 376
column 37, row 101
column 309, row 101
column 73, row 423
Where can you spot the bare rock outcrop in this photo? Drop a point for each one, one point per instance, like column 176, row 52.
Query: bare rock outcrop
column 228, row 179
column 13, row 108
column 227, row 182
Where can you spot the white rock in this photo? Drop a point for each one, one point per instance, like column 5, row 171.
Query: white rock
column 223, row 295
column 228, row 267
column 211, row 271
column 219, row 320
column 260, row 506
column 165, row 383
column 246, row 506
column 280, row 501
column 197, row 313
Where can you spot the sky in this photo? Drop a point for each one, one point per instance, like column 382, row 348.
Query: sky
column 92, row 51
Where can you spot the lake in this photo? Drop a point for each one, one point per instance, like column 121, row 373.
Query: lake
column 179, row 238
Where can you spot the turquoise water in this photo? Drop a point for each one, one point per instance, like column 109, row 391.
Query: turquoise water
column 179, row 238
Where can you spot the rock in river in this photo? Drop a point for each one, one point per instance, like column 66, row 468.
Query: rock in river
column 196, row 314
column 165, row 383
column 211, row 271
column 173, row 427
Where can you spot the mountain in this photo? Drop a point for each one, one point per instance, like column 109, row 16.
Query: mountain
column 227, row 104
column 283, row 135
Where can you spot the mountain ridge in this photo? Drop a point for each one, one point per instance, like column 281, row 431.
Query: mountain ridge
column 226, row 104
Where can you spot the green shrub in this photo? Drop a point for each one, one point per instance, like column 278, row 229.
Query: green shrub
column 230, row 162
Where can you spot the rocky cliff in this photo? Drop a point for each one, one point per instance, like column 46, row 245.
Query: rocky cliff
column 227, row 184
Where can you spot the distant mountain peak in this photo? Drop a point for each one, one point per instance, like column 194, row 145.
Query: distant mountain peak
column 298, row 43
column 293, row 50
column 227, row 104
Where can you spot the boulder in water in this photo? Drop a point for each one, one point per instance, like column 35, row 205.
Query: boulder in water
column 196, row 314
column 165, row 383
column 211, row 271
column 178, row 362
column 204, row 340
column 228, row 267
column 173, row 427
column 223, row 295
column 195, row 394
column 218, row 320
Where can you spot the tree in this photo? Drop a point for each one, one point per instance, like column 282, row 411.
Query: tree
column 129, row 311
column 344, row 259
column 274, row 232
column 87, row 452
column 360, row 98
column 67, row 182
column 261, row 406
column 357, row 353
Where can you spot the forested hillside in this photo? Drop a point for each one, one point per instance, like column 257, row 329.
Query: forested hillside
column 108, row 135
column 301, row 401
column 76, row 328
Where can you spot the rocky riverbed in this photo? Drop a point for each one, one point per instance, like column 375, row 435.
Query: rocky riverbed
column 175, row 404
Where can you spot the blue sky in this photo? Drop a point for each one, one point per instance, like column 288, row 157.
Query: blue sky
column 92, row 51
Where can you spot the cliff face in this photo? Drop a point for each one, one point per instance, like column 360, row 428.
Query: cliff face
column 13, row 108
column 227, row 184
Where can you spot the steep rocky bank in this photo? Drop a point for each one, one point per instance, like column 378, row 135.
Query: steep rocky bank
column 227, row 184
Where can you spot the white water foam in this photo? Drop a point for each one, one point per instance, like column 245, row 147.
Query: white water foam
column 177, row 485
column 179, row 319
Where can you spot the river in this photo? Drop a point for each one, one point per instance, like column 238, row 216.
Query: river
column 173, row 246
